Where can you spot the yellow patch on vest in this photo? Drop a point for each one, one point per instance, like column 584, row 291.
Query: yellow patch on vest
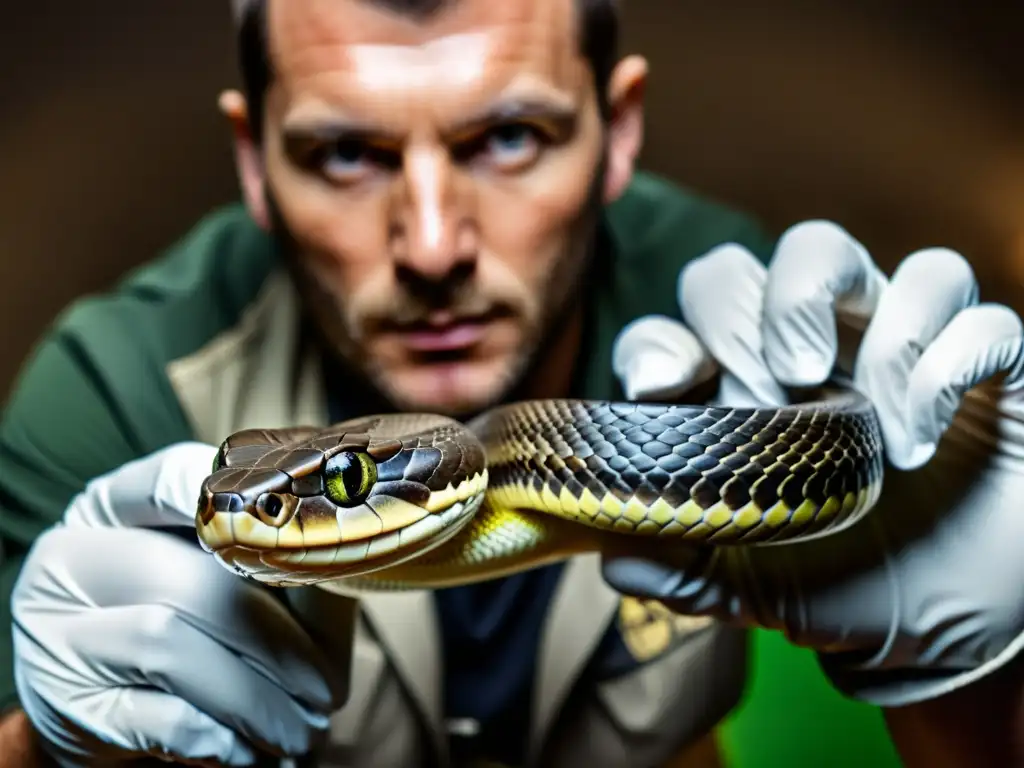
column 649, row 629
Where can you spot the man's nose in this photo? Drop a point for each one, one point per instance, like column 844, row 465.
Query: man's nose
column 430, row 217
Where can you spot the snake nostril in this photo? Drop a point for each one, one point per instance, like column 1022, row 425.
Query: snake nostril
column 272, row 510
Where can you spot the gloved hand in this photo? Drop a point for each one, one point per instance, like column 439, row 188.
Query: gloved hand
column 926, row 593
column 131, row 641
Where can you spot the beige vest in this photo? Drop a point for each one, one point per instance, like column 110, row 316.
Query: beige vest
column 254, row 376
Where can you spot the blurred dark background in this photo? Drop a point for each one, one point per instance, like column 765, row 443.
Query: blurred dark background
column 902, row 120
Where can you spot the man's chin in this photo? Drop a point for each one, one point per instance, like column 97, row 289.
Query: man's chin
column 457, row 388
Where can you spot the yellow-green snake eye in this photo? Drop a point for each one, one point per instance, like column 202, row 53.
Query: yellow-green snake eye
column 348, row 478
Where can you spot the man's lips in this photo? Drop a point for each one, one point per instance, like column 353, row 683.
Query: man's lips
column 444, row 334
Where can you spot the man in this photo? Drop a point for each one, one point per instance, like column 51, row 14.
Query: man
column 441, row 215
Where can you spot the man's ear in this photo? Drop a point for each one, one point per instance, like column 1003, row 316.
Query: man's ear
column 626, row 127
column 248, row 162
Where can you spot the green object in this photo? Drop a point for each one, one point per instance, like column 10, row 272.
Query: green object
column 791, row 717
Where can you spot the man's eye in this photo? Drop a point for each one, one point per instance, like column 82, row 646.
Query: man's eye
column 512, row 146
column 344, row 159
column 511, row 137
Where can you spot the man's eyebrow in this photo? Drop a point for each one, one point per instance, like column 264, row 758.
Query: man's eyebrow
column 331, row 128
column 563, row 112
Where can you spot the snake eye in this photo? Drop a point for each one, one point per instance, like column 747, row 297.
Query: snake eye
column 348, row 478
column 272, row 510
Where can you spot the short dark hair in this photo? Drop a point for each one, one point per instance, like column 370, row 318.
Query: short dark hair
column 598, row 28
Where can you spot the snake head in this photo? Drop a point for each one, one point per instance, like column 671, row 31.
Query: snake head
column 347, row 500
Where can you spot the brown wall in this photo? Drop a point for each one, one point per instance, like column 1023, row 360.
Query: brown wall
column 901, row 120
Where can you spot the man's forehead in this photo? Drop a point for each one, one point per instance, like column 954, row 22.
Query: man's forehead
column 465, row 11
column 470, row 49
column 544, row 25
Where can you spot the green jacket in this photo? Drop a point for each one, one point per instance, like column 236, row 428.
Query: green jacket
column 106, row 383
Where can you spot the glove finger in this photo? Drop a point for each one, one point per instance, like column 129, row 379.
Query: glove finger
column 818, row 275
column 161, row 489
column 683, row 579
column 131, row 721
column 978, row 343
column 100, row 568
column 926, row 292
column 159, row 648
column 721, row 296
column 657, row 358
column 157, row 724
column 804, row 589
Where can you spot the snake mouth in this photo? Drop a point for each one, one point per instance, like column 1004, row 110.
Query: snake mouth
column 298, row 555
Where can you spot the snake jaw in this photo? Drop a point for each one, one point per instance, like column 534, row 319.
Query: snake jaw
column 243, row 544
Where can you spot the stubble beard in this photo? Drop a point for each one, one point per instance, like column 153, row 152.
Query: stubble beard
column 563, row 298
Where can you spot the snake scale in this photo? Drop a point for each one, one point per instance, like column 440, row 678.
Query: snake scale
column 417, row 501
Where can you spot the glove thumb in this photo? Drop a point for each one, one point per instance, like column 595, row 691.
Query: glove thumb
column 979, row 343
column 657, row 358
column 158, row 490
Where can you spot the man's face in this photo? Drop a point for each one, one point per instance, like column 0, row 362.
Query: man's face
column 436, row 183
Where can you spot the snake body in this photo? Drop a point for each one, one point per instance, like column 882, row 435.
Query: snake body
column 414, row 501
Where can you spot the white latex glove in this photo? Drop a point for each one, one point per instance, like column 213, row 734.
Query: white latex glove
column 926, row 593
column 130, row 641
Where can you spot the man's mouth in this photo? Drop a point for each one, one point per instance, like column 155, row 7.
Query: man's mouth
column 445, row 332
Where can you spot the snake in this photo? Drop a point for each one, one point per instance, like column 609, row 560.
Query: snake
column 408, row 501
